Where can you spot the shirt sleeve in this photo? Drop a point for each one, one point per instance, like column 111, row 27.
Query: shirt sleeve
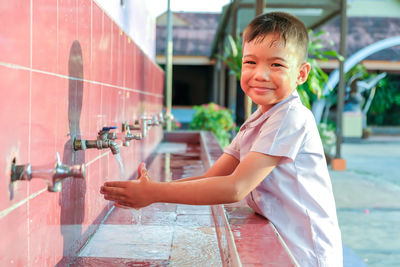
column 234, row 147
column 282, row 134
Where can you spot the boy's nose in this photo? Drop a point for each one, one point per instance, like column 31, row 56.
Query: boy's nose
column 263, row 74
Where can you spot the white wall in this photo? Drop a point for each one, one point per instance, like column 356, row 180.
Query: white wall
column 136, row 21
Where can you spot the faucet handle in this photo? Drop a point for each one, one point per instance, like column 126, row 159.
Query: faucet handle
column 62, row 171
column 160, row 117
column 152, row 121
column 156, row 119
column 108, row 128
column 105, row 133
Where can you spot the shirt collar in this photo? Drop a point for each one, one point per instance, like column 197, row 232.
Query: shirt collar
column 257, row 117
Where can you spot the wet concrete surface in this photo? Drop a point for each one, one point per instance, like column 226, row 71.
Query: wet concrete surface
column 160, row 234
column 367, row 196
column 182, row 235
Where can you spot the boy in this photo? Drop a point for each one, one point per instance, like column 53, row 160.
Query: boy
column 276, row 160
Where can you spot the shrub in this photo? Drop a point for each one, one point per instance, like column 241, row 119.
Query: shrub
column 214, row 118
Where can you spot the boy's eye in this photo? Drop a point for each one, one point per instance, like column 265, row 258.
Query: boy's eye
column 276, row 65
column 249, row 62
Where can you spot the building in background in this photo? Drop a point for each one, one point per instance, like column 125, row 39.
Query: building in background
column 199, row 78
column 193, row 35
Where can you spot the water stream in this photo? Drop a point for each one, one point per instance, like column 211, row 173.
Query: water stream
column 121, row 165
column 136, row 214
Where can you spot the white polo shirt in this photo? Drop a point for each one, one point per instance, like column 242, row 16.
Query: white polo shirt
column 297, row 195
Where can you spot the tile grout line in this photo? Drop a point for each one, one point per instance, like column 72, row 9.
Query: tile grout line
column 77, row 255
column 29, row 130
column 6, row 211
column 19, row 67
column 18, row 204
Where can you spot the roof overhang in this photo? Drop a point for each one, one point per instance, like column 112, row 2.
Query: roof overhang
column 312, row 12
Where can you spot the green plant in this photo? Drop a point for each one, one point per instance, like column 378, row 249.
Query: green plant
column 328, row 138
column 233, row 56
column 175, row 124
column 385, row 106
column 216, row 119
column 312, row 89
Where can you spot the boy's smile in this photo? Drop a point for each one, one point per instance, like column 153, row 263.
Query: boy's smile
column 271, row 70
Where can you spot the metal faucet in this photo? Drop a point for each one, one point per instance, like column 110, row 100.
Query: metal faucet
column 161, row 117
column 52, row 175
column 138, row 125
column 153, row 121
column 128, row 135
column 105, row 139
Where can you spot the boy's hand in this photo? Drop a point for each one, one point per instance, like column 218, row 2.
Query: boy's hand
column 129, row 193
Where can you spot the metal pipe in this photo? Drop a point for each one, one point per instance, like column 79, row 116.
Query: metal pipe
column 232, row 80
column 168, row 66
column 341, row 89
column 52, row 174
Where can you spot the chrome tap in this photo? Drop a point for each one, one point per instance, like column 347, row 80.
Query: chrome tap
column 138, row 125
column 167, row 116
column 105, row 139
column 161, row 117
column 153, row 121
column 128, row 135
column 52, row 175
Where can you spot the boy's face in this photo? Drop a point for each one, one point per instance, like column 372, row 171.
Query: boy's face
column 271, row 70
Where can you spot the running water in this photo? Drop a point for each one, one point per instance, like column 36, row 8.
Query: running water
column 121, row 165
column 136, row 214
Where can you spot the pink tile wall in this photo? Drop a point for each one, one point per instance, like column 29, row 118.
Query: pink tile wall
column 66, row 70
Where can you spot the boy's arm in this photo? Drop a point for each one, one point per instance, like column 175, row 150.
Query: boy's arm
column 208, row 191
column 225, row 165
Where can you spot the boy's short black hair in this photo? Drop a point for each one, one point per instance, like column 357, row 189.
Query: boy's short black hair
column 289, row 28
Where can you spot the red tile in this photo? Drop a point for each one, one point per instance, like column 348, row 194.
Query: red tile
column 15, row 32
column 45, row 239
column 147, row 74
column 101, row 46
column 15, row 133
column 67, row 35
column 43, row 119
column 255, row 238
column 129, row 63
column 94, row 114
column 94, row 200
column 117, row 54
column 94, row 262
column 44, row 35
column 159, row 82
column 70, row 123
column 113, row 100
column 262, row 250
column 243, row 215
column 249, row 230
column 139, row 75
column 132, row 109
column 108, row 100
column 84, row 35
column 14, row 243
column 84, row 124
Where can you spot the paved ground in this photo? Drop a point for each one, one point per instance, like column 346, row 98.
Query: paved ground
column 368, row 200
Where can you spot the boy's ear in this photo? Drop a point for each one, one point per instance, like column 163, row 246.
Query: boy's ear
column 303, row 73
